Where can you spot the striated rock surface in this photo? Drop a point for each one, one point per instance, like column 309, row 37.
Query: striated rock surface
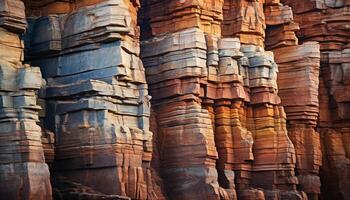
column 23, row 171
column 327, row 22
column 298, row 83
column 221, row 128
column 96, row 99
column 298, row 86
column 174, row 99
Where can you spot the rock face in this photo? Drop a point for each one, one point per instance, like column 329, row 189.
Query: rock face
column 23, row 171
column 327, row 22
column 221, row 127
column 175, row 99
column 96, row 97
column 298, row 83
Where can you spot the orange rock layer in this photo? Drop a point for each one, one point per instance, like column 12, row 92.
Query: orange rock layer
column 175, row 99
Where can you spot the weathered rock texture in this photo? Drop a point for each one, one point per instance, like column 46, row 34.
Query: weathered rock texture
column 96, row 96
column 298, row 82
column 328, row 22
column 175, row 99
column 221, row 127
column 23, row 171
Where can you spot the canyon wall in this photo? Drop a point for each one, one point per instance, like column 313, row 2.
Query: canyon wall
column 328, row 22
column 23, row 171
column 175, row 99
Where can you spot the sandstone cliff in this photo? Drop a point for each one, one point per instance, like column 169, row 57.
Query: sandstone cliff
column 175, row 99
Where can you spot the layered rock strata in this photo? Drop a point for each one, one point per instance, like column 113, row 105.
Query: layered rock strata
column 23, row 171
column 298, row 84
column 327, row 22
column 96, row 97
column 221, row 128
column 300, row 68
column 249, row 99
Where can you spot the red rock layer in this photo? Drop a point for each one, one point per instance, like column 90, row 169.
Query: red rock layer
column 244, row 19
column 327, row 23
column 221, row 128
column 250, row 99
column 298, row 88
column 299, row 67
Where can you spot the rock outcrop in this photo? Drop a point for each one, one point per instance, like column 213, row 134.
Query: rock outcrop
column 221, row 127
column 175, row 99
column 96, row 97
column 327, row 22
column 23, row 171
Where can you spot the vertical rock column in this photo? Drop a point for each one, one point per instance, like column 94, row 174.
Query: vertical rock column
column 233, row 119
column 327, row 22
column 96, row 97
column 298, row 88
column 23, row 171
column 298, row 84
column 274, row 155
column 174, row 65
column 175, row 52
column 334, row 124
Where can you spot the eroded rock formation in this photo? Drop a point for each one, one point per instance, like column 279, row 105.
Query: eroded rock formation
column 327, row 22
column 212, row 90
column 96, row 95
column 23, row 171
column 174, row 99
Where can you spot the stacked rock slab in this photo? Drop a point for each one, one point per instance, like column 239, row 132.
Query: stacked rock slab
column 298, row 88
column 174, row 51
column 23, row 171
column 185, row 132
column 274, row 154
column 221, row 128
column 244, row 19
column 245, row 97
column 327, row 22
column 334, row 123
column 97, row 102
column 274, row 158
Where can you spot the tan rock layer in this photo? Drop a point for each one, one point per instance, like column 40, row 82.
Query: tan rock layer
column 230, row 119
column 23, row 171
